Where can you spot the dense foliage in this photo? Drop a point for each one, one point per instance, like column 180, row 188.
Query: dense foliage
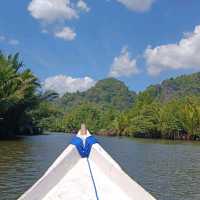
column 176, row 119
column 155, row 113
column 17, row 95
column 169, row 110
column 185, row 85
column 107, row 92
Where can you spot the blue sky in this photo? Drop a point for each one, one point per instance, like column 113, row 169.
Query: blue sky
column 70, row 44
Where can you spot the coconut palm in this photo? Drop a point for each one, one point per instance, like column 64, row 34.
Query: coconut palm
column 17, row 93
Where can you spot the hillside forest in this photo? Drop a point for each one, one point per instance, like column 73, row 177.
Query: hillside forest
column 168, row 110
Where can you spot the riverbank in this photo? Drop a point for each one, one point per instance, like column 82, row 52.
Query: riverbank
column 182, row 137
column 141, row 136
column 174, row 136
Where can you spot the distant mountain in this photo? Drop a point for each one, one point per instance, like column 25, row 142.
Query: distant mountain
column 111, row 92
column 185, row 85
column 107, row 92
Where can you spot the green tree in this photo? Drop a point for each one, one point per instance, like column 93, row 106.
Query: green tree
column 17, row 94
column 190, row 115
column 171, row 125
column 147, row 121
column 87, row 113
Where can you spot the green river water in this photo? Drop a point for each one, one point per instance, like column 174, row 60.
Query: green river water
column 167, row 169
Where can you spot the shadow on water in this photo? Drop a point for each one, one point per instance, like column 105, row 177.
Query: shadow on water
column 170, row 170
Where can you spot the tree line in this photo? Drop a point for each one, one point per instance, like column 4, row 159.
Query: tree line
column 19, row 96
column 26, row 109
column 176, row 119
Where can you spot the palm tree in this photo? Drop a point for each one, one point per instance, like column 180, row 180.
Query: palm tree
column 17, row 93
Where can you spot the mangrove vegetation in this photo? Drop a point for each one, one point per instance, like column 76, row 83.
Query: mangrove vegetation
column 168, row 110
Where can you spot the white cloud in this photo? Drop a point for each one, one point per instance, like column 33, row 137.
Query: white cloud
column 63, row 84
column 183, row 55
column 9, row 41
column 83, row 6
column 123, row 65
column 66, row 34
column 52, row 10
column 55, row 13
column 44, row 31
column 13, row 42
column 2, row 38
column 137, row 5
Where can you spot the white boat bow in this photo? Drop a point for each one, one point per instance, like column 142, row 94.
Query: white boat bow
column 97, row 177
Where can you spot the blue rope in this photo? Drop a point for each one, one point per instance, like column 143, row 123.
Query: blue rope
column 95, row 188
column 84, row 151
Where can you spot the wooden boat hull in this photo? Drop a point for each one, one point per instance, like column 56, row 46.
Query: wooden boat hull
column 98, row 177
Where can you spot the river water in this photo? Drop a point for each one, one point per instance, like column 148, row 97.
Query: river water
column 167, row 169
